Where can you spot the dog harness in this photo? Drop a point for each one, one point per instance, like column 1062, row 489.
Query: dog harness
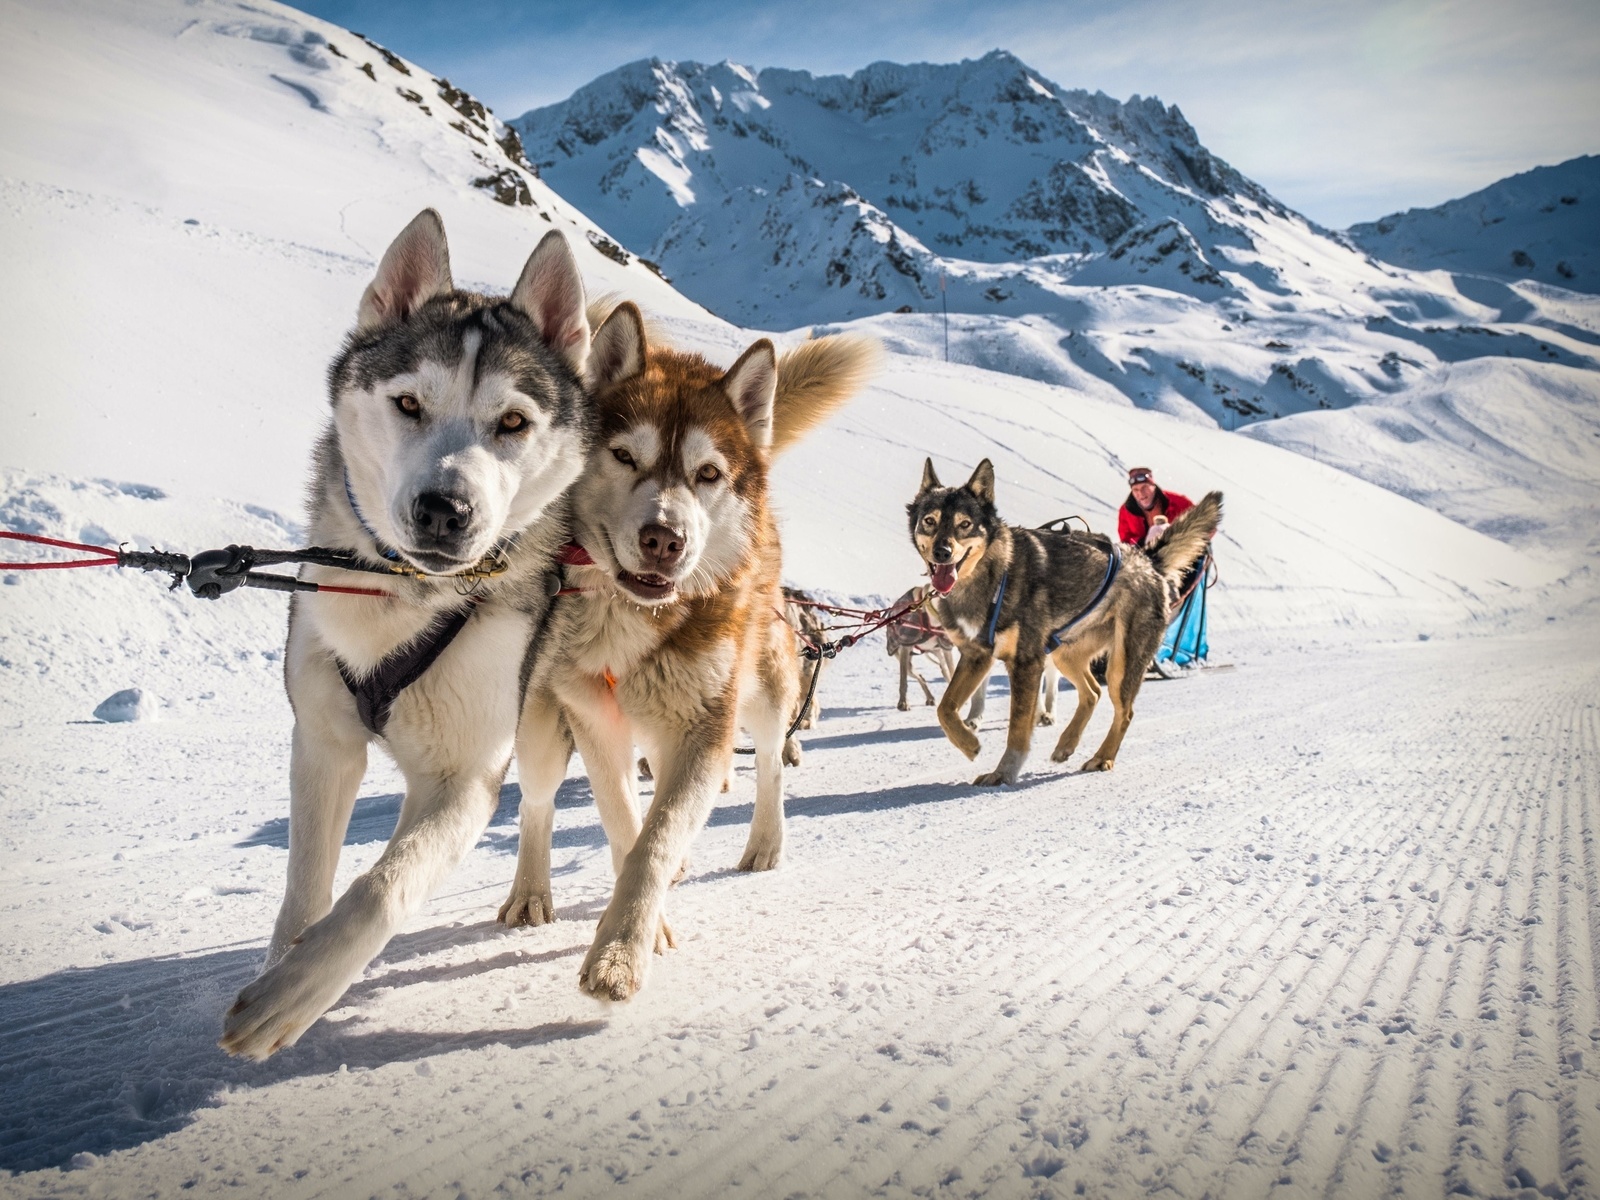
column 1113, row 566
column 376, row 692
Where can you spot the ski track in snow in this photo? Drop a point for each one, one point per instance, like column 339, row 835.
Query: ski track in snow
column 1327, row 929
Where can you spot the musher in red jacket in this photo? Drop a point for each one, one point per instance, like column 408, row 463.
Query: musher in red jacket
column 1143, row 517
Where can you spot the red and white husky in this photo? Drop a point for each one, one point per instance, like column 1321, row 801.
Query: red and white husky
column 680, row 638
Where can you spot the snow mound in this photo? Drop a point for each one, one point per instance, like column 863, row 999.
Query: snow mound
column 130, row 704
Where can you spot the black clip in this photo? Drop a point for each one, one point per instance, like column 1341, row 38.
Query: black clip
column 213, row 572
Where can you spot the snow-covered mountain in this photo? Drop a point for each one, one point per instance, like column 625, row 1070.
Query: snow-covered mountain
column 872, row 185
column 1073, row 238
column 1543, row 224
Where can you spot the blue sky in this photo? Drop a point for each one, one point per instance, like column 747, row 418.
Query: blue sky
column 1344, row 110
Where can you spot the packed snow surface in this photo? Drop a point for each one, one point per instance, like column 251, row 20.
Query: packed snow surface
column 1330, row 926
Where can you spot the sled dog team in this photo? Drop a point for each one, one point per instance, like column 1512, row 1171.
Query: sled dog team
column 500, row 455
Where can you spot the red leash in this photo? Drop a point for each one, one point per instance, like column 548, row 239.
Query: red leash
column 108, row 556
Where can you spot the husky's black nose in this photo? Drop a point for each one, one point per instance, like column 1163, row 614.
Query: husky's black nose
column 661, row 547
column 943, row 552
column 439, row 516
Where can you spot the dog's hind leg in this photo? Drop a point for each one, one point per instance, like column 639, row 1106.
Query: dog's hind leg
column 764, row 848
column 1052, row 682
column 604, row 738
column 544, row 746
column 971, row 673
column 1024, row 674
column 904, row 655
column 1073, row 662
column 1124, row 676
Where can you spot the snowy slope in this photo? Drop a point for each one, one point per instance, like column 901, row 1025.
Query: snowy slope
column 1330, row 905
column 1543, row 224
column 193, row 196
column 1513, row 448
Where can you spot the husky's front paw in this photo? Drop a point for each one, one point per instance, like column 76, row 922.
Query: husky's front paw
column 283, row 1002
column 1047, row 718
column 995, row 779
column 1099, row 764
column 614, row 968
column 527, row 906
column 791, row 752
column 903, row 705
column 761, row 853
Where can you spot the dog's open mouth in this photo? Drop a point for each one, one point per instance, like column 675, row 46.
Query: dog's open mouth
column 647, row 587
column 944, row 574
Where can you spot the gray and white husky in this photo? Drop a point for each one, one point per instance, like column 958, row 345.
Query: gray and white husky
column 459, row 422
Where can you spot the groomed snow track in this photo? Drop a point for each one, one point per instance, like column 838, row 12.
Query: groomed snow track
column 1329, row 929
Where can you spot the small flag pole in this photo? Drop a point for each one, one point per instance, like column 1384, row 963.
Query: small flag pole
column 944, row 301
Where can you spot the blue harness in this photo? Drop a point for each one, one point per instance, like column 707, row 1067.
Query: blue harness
column 1113, row 567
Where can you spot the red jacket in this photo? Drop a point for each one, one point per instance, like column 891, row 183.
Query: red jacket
column 1132, row 524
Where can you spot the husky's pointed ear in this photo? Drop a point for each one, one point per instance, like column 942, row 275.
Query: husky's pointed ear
column 618, row 349
column 415, row 268
column 981, row 484
column 752, row 385
column 929, row 479
column 550, row 291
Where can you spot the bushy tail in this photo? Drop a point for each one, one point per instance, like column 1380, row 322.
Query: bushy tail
column 603, row 305
column 814, row 381
column 1188, row 537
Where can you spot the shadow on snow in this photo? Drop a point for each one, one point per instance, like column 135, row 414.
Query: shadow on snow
column 104, row 1058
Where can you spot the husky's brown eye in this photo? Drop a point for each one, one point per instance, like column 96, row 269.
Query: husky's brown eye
column 928, row 522
column 513, row 422
column 408, row 404
column 622, row 456
column 708, row 474
column 962, row 524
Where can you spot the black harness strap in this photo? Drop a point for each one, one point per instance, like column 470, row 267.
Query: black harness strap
column 376, row 693
column 1112, row 567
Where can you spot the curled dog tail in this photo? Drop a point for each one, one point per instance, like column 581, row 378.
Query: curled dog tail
column 814, row 381
column 602, row 306
column 1188, row 537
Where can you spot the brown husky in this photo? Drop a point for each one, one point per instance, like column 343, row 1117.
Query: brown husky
column 680, row 637
column 1022, row 595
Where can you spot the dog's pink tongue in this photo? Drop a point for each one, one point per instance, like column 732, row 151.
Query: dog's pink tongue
column 944, row 578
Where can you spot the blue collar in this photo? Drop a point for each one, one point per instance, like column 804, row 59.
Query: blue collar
column 349, row 494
